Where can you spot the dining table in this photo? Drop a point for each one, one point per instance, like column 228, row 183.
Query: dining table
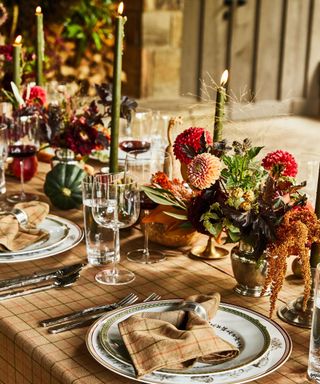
column 29, row 354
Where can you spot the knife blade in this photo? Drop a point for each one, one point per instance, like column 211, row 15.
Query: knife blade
column 22, row 281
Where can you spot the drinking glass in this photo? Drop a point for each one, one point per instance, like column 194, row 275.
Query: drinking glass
column 314, row 351
column 23, row 138
column 115, row 205
column 3, row 156
column 142, row 165
column 137, row 135
column 99, row 240
column 160, row 122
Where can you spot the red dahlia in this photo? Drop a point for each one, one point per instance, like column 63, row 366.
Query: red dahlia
column 280, row 163
column 190, row 138
column 37, row 95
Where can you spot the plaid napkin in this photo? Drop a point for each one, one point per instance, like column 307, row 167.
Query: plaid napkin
column 175, row 339
column 14, row 236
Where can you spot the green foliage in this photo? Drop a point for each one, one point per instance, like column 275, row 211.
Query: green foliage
column 74, row 30
column 164, row 197
column 89, row 24
column 242, row 170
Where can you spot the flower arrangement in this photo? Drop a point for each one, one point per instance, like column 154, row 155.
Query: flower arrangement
column 233, row 195
column 63, row 126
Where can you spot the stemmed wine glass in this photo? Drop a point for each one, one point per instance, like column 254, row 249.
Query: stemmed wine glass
column 142, row 165
column 115, row 205
column 137, row 134
column 24, row 142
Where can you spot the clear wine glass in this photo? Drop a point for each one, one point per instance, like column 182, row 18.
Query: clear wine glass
column 3, row 156
column 137, row 135
column 142, row 165
column 115, row 205
column 24, row 142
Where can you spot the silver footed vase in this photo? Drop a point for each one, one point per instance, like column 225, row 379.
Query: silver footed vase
column 249, row 274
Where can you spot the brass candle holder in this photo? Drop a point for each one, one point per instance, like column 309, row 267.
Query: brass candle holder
column 209, row 251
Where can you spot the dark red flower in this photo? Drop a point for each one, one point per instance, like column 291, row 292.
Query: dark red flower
column 280, row 163
column 190, row 138
column 7, row 52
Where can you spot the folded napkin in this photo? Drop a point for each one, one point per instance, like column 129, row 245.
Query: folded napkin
column 175, row 339
column 14, row 236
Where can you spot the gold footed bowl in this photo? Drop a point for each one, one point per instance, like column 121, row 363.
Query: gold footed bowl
column 162, row 234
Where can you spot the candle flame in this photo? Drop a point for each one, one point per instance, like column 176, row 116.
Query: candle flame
column 38, row 10
column 120, row 8
column 224, row 77
column 18, row 39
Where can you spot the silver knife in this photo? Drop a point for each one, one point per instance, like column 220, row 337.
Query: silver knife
column 75, row 324
column 22, row 281
column 60, row 282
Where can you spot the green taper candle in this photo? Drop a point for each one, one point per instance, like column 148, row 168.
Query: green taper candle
column 116, row 90
column 220, row 101
column 39, row 47
column 16, row 77
column 315, row 248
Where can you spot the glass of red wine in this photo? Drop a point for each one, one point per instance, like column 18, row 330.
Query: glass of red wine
column 23, row 137
column 137, row 135
column 141, row 165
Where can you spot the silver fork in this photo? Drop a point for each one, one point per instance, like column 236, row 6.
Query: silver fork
column 129, row 299
column 91, row 319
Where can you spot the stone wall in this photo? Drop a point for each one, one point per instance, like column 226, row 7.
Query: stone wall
column 152, row 56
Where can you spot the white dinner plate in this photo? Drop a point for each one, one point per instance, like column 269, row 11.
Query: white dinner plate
column 231, row 325
column 74, row 235
column 276, row 355
column 57, row 233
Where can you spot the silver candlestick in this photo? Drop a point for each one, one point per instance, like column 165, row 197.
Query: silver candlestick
column 293, row 312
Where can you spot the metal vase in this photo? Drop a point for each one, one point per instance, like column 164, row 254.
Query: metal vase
column 249, row 274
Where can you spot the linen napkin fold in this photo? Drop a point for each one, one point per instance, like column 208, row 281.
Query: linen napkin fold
column 175, row 339
column 14, row 236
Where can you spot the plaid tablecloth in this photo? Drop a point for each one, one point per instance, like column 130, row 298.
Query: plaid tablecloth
column 29, row 354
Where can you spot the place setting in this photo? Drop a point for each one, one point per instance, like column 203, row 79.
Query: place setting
column 40, row 235
column 124, row 342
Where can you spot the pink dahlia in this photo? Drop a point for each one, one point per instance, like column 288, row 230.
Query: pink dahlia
column 190, row 138
column 280, row 163
column 203, row 170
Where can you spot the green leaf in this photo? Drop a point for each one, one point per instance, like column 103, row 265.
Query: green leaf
column 97, row 40
column 176, row 215
column 214, row 229
column 16, row 93
column 253, row 152
column 235, row 237
column 158, row 199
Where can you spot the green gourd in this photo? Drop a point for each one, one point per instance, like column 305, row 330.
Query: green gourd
column 63, row 186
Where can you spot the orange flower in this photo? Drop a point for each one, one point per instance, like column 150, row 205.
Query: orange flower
column 204, row 170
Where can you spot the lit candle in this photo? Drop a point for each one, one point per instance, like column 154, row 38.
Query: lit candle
column 116, row 90
column 17, row 61
column 315, row 248
column 39, row 47
column 219, row 115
